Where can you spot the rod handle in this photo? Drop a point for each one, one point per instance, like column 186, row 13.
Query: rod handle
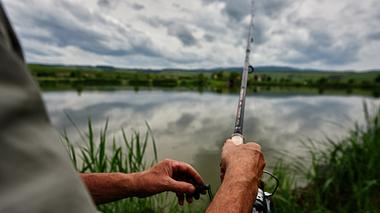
column 237, row 138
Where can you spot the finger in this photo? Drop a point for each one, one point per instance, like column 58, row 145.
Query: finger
column 229, row 142
column 180, row 186
column 189, row 198
column 254, row 145
column 187, row 169
column 181, row 198
column 228, row 145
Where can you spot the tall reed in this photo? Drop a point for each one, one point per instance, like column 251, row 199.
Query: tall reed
column 343, row 178
column 104, row 153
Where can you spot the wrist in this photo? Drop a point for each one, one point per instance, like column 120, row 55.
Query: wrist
column 131, row 183
column 143, row 184
column 237, row 192
column 242, row 184
column 243, row 172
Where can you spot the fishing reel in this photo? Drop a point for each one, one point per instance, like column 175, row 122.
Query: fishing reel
column 263, row 202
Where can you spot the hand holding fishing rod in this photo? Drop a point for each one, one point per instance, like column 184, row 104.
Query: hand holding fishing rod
column 250, row 159
column 241, row 169
column 242, row 163
column 245, row 163
column 263, row 201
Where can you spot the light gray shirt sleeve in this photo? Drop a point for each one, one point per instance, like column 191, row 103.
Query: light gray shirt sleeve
column 36, row 174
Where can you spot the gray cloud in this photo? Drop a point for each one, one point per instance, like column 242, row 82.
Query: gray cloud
column 375, row 36
column 108, row 4
column 176, row 5
column 75, row 29
column 137, row 6
column 295, row 33
column 236, row 10
column 259, row 32
column 209, row 37
column 104, row 3
column 322, row 47
column 39, row 52
column 183, row 34
column 69, row 34
column 273, row 8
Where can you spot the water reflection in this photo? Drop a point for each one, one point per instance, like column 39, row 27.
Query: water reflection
column 192, row 127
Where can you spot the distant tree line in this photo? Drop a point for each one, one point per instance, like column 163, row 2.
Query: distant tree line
column 65, row 77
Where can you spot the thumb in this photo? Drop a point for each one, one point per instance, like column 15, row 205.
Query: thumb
column 181, row 186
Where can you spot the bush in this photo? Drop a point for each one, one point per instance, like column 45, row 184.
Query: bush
column 345, row 178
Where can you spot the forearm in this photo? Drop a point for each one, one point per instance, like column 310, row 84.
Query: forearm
column 168, row 175
column 236, row 194
column 108, row 187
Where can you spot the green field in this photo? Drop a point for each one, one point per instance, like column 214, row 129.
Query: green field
column 217, row 80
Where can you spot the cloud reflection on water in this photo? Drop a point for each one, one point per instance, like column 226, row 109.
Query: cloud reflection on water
column 192, row 127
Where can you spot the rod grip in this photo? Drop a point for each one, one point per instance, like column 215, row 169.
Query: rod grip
column 237, row 138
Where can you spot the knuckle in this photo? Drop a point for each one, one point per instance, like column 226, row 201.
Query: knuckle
column 167, row 183
column 167, row 161
column 185, row 165
column 254, row 145
column 188, row 165
column 258, row 146
column 228, row 143
column 229, row 140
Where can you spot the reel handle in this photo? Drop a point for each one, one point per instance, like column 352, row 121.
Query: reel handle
column 237, row 138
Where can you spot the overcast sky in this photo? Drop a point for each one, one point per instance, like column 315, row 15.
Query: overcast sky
column 326, row 34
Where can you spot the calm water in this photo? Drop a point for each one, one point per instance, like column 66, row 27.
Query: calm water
column 191, row 127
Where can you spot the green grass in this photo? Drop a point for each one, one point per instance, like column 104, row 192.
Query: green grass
column 344, row 178
column 118, row 156
column 101, row 152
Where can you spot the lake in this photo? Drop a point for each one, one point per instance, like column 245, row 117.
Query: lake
column 192, row 126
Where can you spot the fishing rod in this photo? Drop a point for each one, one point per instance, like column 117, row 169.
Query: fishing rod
column 237, row 136
column 263, row 202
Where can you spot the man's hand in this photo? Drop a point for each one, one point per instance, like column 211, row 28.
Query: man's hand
column 170, row 175
column 241, row 168
column 244, row 160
